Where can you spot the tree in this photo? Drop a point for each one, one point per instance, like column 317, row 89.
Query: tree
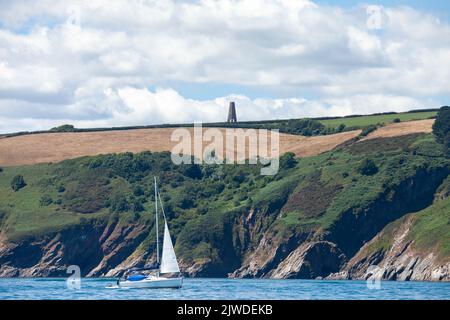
column 63, row 128
column 119, row 203
column 45, row 200
column 137, row 206
column 367, row 130
column 288, row 160
column 193, row 171
column 138, row 191
column 441, row 128
column 368, row 167
column 18, row 182
column 304, row 127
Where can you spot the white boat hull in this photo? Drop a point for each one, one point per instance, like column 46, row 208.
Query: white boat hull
column 153, row 283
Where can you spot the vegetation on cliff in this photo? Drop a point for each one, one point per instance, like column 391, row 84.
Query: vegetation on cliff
column 441, row 128
column 220, row 214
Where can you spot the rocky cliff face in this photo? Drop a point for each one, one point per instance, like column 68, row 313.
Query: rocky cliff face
column 254, row 251
column 400, row 261
column 98, row 250
column 327, row 252
column 322, row 218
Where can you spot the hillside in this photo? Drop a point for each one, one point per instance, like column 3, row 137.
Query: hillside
column 313, row 219
column 415, row 247
column 58, row 146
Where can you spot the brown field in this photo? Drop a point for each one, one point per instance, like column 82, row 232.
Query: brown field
column 55, row 147
column 402, row 128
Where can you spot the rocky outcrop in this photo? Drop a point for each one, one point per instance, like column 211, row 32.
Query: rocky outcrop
column 399, row 261
column 357, row 226
column 270, row 252
column 310, row 261
column 97, row 249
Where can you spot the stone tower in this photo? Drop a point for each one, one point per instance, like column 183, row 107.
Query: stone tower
column 232, row 112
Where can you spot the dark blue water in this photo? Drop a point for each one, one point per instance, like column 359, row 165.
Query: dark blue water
column 224, row 289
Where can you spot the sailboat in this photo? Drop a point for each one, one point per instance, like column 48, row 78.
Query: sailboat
column 169, row 264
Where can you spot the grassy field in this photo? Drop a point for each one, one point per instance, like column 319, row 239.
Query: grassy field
column 56, row 147
column 364, row 121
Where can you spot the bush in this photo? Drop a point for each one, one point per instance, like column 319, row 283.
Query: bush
column 368, row 130
column 396, row 120
column 288, row 161
column 304, row 127
column 193, row 171
column 63, row 128
column 239, row 177
column 341, row 128
column 18, row 182
column 61, row 189
column 137, row 206
column 119, row 203
column 441, row 128
column 45, row 200
column 1, row 169
column 368, row 167
column 186, row 203
column 138, row 191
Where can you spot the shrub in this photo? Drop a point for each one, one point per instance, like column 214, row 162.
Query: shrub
column 63, row 128
column 1, row 169
column 138, row 191
column 137, row 206
column 193, row 171
column 287, row 160
column 304, row 127
column 186, row 203
column 368, row 130
column 368, row 167
column 239, row 177
column 45, row 200
column 18, row 182
column 61, row 189
column 396, row 120
column 119, row 203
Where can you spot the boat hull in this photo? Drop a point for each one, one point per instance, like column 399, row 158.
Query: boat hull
column 153, row 283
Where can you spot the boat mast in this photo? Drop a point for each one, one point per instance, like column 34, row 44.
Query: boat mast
column 156, row 223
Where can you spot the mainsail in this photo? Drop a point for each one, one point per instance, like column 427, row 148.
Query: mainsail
column 169, row 262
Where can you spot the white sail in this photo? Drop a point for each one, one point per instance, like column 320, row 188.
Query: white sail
column 169, row 262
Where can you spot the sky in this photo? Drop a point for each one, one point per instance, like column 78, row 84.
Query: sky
column 99, row 63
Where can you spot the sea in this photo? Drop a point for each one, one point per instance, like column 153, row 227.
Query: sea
column 222, row 289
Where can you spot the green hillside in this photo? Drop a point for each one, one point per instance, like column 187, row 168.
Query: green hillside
column 360, row 187
column 364, row 121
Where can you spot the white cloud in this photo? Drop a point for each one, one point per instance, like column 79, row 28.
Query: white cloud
column 140, row 106
column 90, row 62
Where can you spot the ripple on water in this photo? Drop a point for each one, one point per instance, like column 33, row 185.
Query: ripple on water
column 93, row 289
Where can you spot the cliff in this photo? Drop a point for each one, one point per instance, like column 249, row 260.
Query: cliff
column 365, row 207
